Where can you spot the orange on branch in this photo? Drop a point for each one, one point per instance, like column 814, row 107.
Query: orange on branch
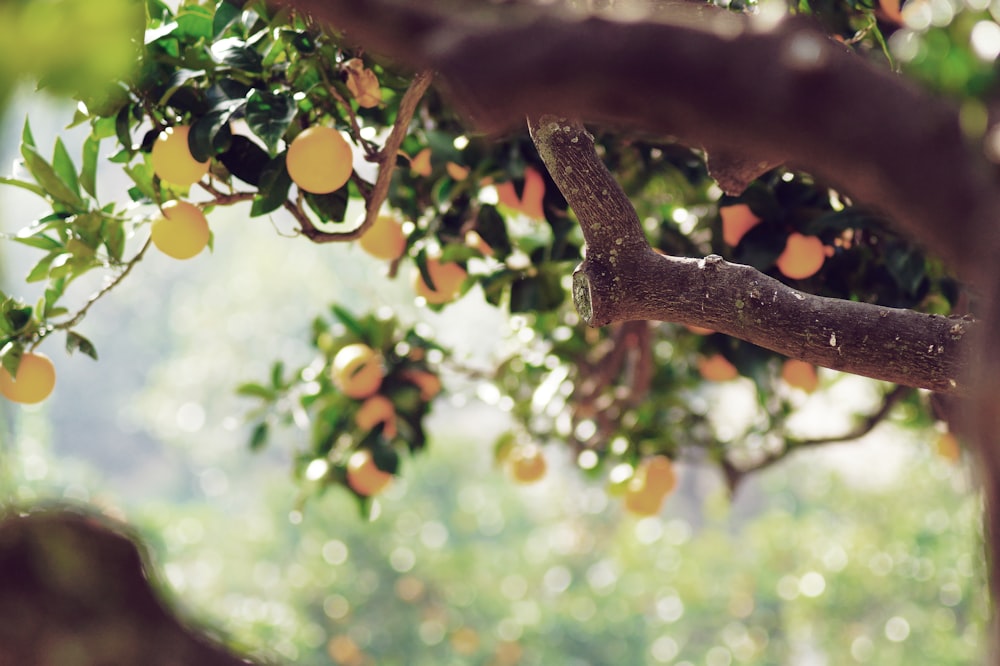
column 364, row 476
column 34, row 382
column 384, row 239
column 736, row 221
column 658, row 474
column 320, row 160
column 802, row 258
column 375, row 410
column 800, row 374
column 643, row 502
column 357, row 370
column 447, row 279
column 717, row 368
column 181, row 231
column 527, row 463
column 172, row 160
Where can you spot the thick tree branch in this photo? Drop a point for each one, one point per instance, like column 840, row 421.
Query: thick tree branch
column 622, row 278
column 719, row 80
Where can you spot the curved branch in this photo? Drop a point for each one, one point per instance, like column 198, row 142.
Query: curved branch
column 622, row 278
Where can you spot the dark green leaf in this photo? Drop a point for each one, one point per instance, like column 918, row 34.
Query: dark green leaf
column 225, row 14
column 123, row 127
column 211, row 134
column 234, row 53
column 349, row 321
column 244, row 159
column 76, row 342
column 268, row 115
column 274, row 185
column 492, row 228
column 258, row 437
column 330, row 207
column 277, row 374
column 17, row 318
column 113, row 232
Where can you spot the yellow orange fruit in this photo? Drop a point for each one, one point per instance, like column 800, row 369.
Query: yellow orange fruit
column 736, row 221
column 948, row 447
column 420, row 165
column 447, row 278
column 181, row 231
column 172, row 160
column 320, row 160
column 375, row 410
column 802, row 258
column 527, row 463
column 384, row 239
column 642, row 502
column 428, row 383
column 658, row 474
column 363, row 83
column 357, row 370
column 35, row 379
column 717, row 368
column 800, row 374
column 364, row 476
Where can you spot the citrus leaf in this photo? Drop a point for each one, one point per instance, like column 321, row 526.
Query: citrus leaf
column 88, row 172
column 258, row 437
column 274, row 185
column 268, row 115
column 46, row 176
column 245, row 159
column 63, row 165
column 76, row 342
column 31, row 187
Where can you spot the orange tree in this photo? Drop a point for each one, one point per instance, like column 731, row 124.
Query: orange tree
column 752, row 184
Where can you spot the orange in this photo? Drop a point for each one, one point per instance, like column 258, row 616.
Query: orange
column 465, row 641
column 800, row 375
column 659, row 475
column 948, row 447
column 802, row 258
column 35, row 379
column 182, row 231
column 447, row 278
column 642, row 502
column 428, row 383
column 357, row 370
column 457, row 171
column 363, row 83
column 384, row 239
column 527, row 464
column 364, row 476
column 717, row 368
column 320, row 160
column 420, row 165
column 377, row 409
column 172, row 160
column 736, row 221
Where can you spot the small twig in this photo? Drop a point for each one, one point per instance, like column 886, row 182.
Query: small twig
column 82, row 312
column 735, row 474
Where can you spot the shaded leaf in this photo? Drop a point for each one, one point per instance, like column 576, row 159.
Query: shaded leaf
column 76, row 342
column 268, row 115
column 273, row 186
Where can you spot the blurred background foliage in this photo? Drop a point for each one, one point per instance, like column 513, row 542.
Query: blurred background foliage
column 868, row 551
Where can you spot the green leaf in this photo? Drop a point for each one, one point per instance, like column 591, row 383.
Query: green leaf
column 349, row 321
column 76, row 342
column 40, row 271
column 234, row 53
column 113, row 232
column 12, row 354
column 255, row 390
column 50, row 181
column 330, row 207
column 88, row 172
column 492, row 228
column 194, row 23
column 31, row 187
column 211, row 133
column 225, row 14
column 63, row 165
column 123, row 130
column 40, row 241
column 269, row 115
column 245, row 159
column 274, row 185
column 17, row 318
column 277, row 375
column 27, row 138
column 258, row 437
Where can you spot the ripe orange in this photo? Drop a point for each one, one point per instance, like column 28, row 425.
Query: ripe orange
column 363, row 83
column 428, row 383
column 36, row 377
column 447, row 278
column 527, row 464
column 642, row 502
column 420, row 165
column 736, row 221
column 800, row 375
column 364, row 476
column 717, row 368
column 182, row 231
column 377, row 409
column 802, row 258
column 357, row 370
column 320, row 160
column 948, row 447
column 653, row 480
column 172, row 160
column 384, row 239
column 659, row 475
